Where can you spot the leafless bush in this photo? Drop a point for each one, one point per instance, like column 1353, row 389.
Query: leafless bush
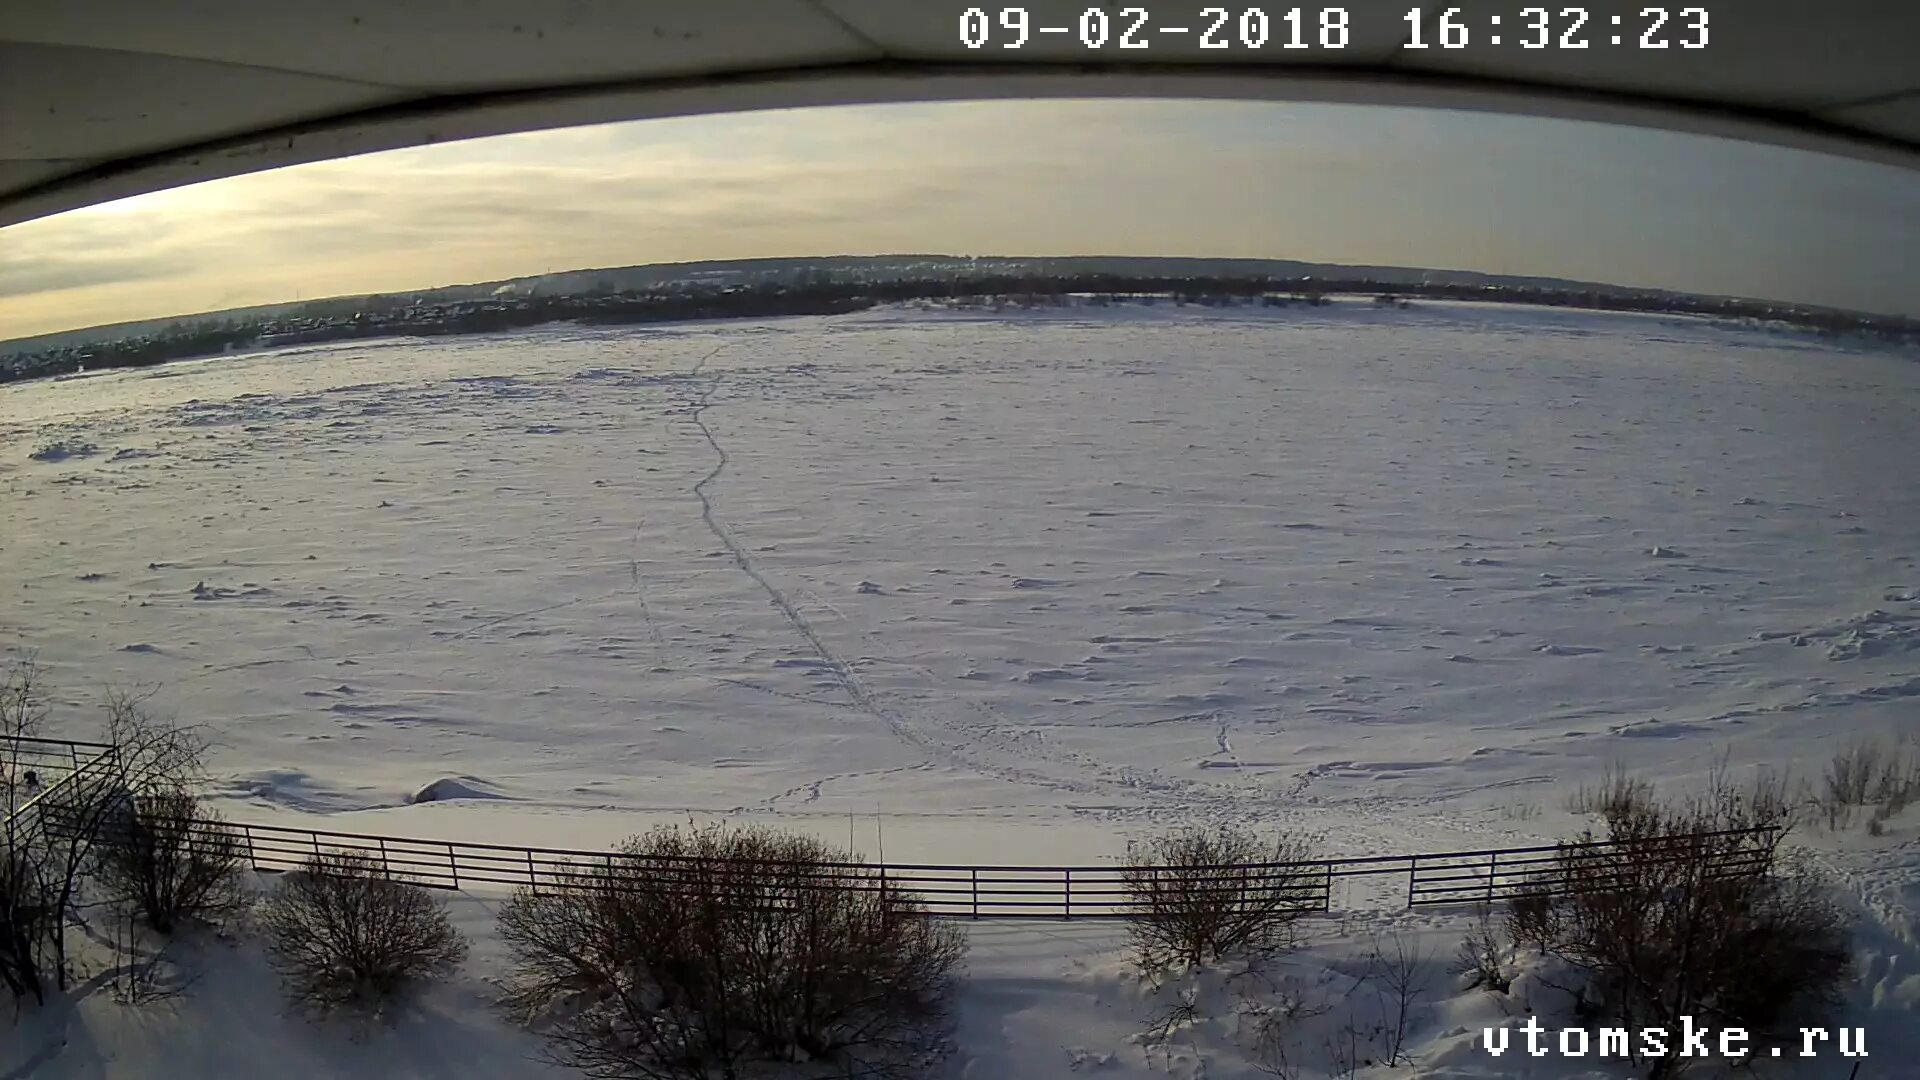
column 1852, row 773
column 1198, row 895
column 1897, row 794
column 1342, row 1048
column 1271, row 1030
column 1867, row 773
column 28, row 923
column 153, row 754
column 345, row 936
column 1480, row 959
column 1521, row 811
column 58, row 809
column 701, row 951
column 149, row 755
column 171, row 859
column 1616, row 794
column 1683, row 916
column 29, row 915
column 1398, row 970
column 1177, row 1017
column 23, row 704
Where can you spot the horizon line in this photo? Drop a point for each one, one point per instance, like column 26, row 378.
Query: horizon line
column 210, row 313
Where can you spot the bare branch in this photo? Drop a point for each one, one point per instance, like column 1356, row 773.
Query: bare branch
column 345, row 936
column 700, row 951
column 1199, row 895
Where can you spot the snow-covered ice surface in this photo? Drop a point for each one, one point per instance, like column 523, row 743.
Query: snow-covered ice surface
column 1015, row 586
column 1089, row 568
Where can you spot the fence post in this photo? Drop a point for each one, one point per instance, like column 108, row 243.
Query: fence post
column 1413, row 874
column 453, row 865
column 315, row 837
column 1067, row 899
column 253, row 859
column 386, row 868
column 1493, row 869
column 533, row 882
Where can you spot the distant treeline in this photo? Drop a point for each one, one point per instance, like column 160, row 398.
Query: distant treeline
column 397, row 316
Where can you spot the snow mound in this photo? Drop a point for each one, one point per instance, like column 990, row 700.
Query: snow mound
column 1551, row 649
column 1868, row 634
column 454, row 787
column 61, row 451
column 1875, row 633
column 203, row 591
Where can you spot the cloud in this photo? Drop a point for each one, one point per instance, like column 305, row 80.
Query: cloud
column 1325, row 182
column 18, row 278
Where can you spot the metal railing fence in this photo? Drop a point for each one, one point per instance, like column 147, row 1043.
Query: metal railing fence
column 980, row 891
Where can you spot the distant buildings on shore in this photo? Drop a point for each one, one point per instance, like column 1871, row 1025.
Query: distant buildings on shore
column 773, row 287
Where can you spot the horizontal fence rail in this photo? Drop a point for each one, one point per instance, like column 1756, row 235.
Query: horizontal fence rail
column 964, row 891
column 27, row 763
column 1086, row 891
column 1089, row 891
column 45, row 777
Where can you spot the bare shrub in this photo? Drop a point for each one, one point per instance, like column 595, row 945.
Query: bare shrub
column 23, row 708
column 59, row 805
column 1272, row 1030
column 698, row 952
column 28, row 923
column 343, row 935
column 149, row 755
column 1618, row 793
column 1398, row 970
column 1852, row 773
column 1867, row 773
column 1180, row 1016
column 172, row 860
column 1897, row 792
column 30, row 916
column 1480, row 959
column 1521, row 811
column 1197, row 895
column 1772, row 797
column 1681, row 915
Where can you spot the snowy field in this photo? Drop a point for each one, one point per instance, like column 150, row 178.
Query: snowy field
column 1016, row 587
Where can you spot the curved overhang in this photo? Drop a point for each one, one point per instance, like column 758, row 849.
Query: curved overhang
column 102, row 99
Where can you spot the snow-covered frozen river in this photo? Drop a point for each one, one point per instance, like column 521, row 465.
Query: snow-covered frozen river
column 1402, row 574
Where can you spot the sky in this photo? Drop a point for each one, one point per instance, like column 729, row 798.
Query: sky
column 1323, row 183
